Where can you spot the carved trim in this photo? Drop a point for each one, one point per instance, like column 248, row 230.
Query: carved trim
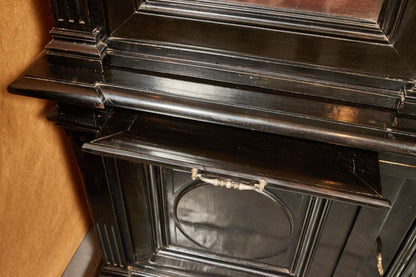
column 125, row 248
column 312, row 228
column 157, row 214
column 303, row 21
column 112, row 254
column 78, row 34
column 74, row 14
column 77, row 49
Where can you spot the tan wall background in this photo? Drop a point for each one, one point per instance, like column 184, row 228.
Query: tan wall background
column 43, row 215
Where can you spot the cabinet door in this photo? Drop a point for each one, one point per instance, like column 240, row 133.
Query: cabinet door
column 185, row 225
column 150, row 215
column 319, row 214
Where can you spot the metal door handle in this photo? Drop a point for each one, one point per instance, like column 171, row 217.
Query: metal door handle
column 229, row 184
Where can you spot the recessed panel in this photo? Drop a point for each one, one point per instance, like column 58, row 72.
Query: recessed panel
column 234, row 223
column 255, row 226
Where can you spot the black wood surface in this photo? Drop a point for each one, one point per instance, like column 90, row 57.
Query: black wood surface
column 348, row 124
column 314, row 167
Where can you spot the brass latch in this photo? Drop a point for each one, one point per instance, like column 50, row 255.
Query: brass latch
column 379, row 257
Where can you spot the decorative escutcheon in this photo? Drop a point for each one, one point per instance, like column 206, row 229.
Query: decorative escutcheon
column 229, row 184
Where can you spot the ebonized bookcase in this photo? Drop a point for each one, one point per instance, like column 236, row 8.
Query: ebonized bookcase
column 312, row 114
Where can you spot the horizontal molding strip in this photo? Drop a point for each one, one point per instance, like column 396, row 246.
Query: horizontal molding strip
column 97, row 90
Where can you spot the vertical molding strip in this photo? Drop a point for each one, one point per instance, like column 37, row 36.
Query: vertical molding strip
column 83, row 12
column 116, row 248
column 313, row 224
column 153, row 185
column 100, row 237
column 78, row 11
column 67, row 10
column 109, row 244
column 121, row 230
column 56, row 10
column 404, row 255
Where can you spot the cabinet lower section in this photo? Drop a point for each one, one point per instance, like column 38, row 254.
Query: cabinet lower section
column 155, row 220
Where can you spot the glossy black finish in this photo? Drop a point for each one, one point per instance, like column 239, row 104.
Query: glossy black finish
column 350, row 174
column 369, row 9
column 321, row 106
column 248, row 107
column 321, row 51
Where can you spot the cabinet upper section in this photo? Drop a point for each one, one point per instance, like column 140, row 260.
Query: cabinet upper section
column 311, row 72
column 359, row 52
column 371, row 37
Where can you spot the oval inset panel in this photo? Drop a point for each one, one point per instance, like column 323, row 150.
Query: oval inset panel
column 242, row 224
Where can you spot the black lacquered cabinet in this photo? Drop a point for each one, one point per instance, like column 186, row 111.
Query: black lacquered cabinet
column 240, row 138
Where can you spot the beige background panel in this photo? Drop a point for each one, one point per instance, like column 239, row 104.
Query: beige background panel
column 43, row 215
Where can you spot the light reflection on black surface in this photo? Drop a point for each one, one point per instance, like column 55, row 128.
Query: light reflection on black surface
column 365, row 9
